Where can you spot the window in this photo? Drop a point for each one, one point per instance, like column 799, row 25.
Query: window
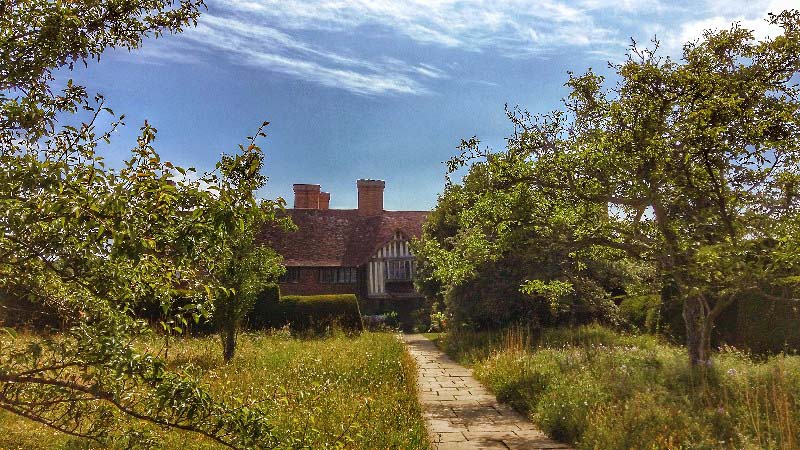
column 338, row 275
column 399, row 269
column 292, row 275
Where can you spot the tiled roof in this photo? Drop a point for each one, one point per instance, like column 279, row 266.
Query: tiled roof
column 340, row 237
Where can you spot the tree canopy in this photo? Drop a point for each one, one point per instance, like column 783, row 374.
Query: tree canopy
column 93, row 243
column 690, row 166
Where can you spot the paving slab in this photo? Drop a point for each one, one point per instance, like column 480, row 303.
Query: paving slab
column 460, row 413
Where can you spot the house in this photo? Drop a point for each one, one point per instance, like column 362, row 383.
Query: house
column 363, row 251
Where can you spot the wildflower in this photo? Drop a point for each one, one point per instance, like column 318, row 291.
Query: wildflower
column 732, row 371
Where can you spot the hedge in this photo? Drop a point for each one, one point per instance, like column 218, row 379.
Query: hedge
column 752, row 323
column 307, row 312
column 258, row 317
column 763, row 325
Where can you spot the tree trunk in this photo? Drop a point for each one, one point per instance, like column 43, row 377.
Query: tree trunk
column 229, row 341
column 698, row 331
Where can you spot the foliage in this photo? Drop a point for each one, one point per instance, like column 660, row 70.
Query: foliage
column 391, row 320
column 641, row 312
column 438, row 321
column 597, row 388
column 761, row 325
column 93, row 244
column 244, row 265
column 388, row 321
column 339, row 392
column 497, row 253
column 313, row 313
column 421, row 317
column 687, row 167
column 408, row 314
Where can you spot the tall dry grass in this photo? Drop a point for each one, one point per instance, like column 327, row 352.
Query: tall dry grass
column 339, row 392
column 600, row 389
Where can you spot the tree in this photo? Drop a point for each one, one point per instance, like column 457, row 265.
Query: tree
column 244, row 267
column 486, row 238
column 93, row 243
column 695, row 162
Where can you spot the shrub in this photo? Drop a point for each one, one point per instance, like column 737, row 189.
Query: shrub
column 314, row 313
column 493, row 301
column 438, row 321
column 752, row 322
column 641, row 311
column 762, row 325
column 421, row 319
column 381, row 322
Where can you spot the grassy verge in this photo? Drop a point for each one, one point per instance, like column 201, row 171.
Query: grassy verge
column 602, row 390
column 339, row 392
column 432, row 336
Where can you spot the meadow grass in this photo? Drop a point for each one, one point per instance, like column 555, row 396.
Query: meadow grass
column 432, row 336
column 353, row 392
column 600, row 389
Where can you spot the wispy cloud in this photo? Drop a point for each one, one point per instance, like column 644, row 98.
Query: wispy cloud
column 268, row 48
column 468, row 24
column 290, row 36
column 274, row 35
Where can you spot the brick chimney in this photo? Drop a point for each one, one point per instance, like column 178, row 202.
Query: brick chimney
column 324, row 200
column 306, row 196
column 370, row 197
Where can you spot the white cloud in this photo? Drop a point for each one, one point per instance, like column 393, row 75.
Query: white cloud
column 274, row 35
column 290, row 37
column 268, row 48
column 720, row 14
column 469, row 24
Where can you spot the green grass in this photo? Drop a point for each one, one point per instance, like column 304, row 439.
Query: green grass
column 599, row 389
column 432, row 336
column 338, row 392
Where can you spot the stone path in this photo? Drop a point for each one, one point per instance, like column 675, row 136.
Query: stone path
column 461, row 413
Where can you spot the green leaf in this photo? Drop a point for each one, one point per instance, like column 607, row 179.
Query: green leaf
column 10, row 332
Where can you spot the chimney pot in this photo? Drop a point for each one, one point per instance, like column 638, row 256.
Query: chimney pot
column 324, row 200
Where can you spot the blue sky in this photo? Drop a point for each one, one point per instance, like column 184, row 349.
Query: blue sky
column 376, row 88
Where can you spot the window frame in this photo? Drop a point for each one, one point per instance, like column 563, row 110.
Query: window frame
column 399, row 266
column 292, row 275
column 338, row 275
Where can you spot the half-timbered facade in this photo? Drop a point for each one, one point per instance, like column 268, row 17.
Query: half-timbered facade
column 391, row 269
column 364, row 251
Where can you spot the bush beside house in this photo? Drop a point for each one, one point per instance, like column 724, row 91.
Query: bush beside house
column 306, row 312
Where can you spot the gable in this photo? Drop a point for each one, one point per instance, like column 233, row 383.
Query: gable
column 397, row 247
